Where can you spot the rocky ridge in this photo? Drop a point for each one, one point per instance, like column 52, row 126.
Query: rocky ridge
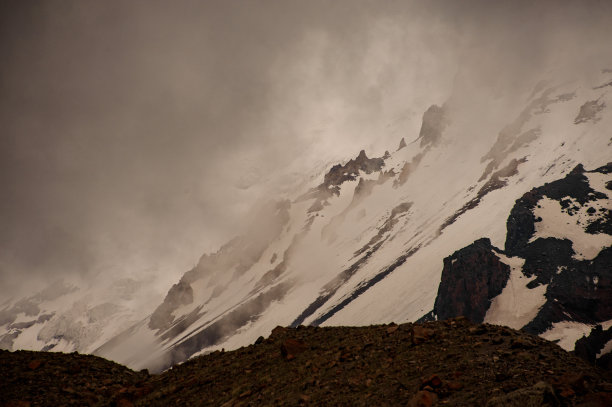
column 452, row 362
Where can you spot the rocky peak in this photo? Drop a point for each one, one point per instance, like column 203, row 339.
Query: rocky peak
column 402, row 144
column 350, row 171
column 434, row 123
column 471, row 277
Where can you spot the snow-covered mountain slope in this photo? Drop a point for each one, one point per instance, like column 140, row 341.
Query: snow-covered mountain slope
column 75, row 315
column 365, row 244
column 371, row 240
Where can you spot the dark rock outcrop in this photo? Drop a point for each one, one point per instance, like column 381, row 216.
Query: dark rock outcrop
column 580, row 291
column 577, row 289
column 588, row 347
column 402, row 144
column 521, row 222
column 471, row 277
column 434, row 123
column 337, row 175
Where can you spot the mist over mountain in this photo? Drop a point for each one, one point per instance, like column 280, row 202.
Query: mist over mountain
column 184, row 179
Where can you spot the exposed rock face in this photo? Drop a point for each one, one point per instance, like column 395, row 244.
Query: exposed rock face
column 581, row 291
column 338, row 174
column 471, row 277
column 434, row 123
column 348, row 172
column 589, row 347
column 578, row 288
column 402, row 144
column 179, row 294
column 521, row 221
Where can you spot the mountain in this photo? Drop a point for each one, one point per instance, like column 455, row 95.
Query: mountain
column 501, row 217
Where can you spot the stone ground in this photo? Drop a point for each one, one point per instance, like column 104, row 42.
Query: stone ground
column 453, row 362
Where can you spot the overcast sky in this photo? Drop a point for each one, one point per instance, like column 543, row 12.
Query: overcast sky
column 135, row 134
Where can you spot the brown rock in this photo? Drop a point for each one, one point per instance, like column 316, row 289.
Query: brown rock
column 423, row 399
column 392, row 329
column 497, row 340
column 434, row 381
column 521, row 343
column 279, row 330
column 420, row 334
column 35, row 364
column 292, row 347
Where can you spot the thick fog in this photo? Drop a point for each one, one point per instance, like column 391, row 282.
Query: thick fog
column 136, row 135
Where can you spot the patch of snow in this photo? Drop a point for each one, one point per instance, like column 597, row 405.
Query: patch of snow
column 517, row 304
column 566, row 333
column 27, row 339
column 606, row 349
column 598, row 181
column 559, row 224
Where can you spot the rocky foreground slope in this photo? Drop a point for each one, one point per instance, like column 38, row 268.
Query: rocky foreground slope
column 452, row 362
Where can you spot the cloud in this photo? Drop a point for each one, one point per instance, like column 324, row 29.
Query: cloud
column 140, row 132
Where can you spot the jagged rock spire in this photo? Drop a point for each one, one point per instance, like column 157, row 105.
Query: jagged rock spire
column 402, row 144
